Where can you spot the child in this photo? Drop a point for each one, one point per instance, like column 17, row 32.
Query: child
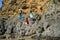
column 20, row 15
column 27, row 21
column 31, row 14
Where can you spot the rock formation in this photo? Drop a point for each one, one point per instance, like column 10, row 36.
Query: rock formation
column 45, row 22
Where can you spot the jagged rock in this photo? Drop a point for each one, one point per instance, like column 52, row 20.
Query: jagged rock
column 46, row 23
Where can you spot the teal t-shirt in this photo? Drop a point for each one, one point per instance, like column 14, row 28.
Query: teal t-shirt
column 31, row 14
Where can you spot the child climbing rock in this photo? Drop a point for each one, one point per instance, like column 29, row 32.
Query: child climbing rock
column 31, row 14
column 20, row 15
column 27, row 20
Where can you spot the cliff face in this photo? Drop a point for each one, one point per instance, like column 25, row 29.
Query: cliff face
column 45, row 22
column 12, row 6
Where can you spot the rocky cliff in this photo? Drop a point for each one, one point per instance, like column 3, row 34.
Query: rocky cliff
column 45, row 22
